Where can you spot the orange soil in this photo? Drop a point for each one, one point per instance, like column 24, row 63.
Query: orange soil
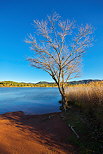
column 34, row 134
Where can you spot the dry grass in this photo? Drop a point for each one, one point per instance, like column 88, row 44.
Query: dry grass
column 89, row 99
column 84, row 94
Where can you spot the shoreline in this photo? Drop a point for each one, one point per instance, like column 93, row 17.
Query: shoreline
column 45, row 133
column 22, row 113
column 29, row 87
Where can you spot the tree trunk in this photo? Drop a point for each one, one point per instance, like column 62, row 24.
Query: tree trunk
column 64, row 100
column 62, row 92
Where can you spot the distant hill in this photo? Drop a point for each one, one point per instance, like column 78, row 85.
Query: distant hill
column 41, row 83
column 84, row 81
column 23, row 84
column 72, row 82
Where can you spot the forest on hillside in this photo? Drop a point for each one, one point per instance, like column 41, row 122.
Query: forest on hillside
column 42, row 83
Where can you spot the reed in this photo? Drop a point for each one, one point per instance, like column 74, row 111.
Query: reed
column 89, row 99
column 86, row 94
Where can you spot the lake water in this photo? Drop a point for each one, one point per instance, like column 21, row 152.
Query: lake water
column 29, row 100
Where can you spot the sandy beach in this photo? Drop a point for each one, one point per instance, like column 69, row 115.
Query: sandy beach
column 34, row 134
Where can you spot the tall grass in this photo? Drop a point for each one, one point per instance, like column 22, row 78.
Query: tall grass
column 89, row 97
column 86, row 94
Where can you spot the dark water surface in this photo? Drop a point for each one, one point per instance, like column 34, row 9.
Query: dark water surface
column 29, row 100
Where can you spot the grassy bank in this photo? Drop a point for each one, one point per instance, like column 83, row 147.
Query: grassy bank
column 90, row 140
column 86, row 116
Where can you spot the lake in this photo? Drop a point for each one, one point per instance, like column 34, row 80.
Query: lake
column 36, row 100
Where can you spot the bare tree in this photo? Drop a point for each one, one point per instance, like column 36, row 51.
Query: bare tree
column 58, row 46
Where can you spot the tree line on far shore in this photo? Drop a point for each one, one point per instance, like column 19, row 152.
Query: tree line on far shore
column 42, row 83
column 22, row 84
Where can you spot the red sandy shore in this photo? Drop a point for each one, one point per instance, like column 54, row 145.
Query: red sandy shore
column 34, row 134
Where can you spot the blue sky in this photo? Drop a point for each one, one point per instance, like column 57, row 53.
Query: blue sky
column 16, row 18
